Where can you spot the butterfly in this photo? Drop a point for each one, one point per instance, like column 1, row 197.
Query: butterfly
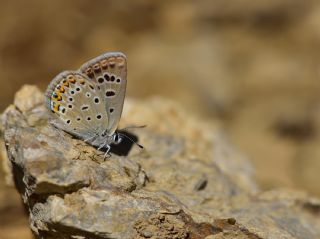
column 88, row 103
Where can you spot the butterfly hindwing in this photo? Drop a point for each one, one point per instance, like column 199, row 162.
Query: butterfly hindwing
column 109, row 72
column 77, row 105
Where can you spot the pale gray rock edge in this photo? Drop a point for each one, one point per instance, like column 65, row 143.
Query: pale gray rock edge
column 188, row 183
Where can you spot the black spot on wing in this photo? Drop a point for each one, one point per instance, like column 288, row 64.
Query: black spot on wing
column 110, row 93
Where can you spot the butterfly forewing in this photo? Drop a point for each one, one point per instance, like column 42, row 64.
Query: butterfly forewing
column 109, row 72
column 77, row 105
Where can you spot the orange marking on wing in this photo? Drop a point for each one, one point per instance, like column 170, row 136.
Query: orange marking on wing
column 121, row 61
column 104, row 64
column 112, row 61
column 71, row 79
column 61, row 89
column 56, row 108
column 89, row 72
column 96, row 68
column 81, row 81
column 59, row 98
column 57, row 95
column 66, row 83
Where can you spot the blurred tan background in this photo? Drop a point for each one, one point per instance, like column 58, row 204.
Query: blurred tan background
column 252, row 65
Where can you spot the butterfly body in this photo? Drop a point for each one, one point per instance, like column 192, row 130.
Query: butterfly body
column 88, row 103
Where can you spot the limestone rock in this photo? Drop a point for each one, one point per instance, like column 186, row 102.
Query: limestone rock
column 188, row 183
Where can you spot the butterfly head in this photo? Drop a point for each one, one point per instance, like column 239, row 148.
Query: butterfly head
column 105, row 139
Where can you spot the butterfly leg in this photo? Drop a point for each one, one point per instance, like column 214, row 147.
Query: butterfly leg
column 89, row 139
column 107, row 154
column 101, row 146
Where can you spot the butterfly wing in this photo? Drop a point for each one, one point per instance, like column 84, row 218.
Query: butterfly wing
column 77, row 105
column 109, row 71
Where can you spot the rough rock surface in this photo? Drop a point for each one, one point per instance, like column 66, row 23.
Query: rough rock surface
column 187, row 183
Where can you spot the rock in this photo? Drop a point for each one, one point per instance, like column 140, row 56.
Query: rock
column 189, row 182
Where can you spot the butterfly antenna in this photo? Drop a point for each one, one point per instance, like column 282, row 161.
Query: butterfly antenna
column 139, row 145
column 134, row 127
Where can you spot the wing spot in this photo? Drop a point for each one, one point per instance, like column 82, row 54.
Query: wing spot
column 104, row 64
column 118, row 80
column 70, row 99
column 78, row 118
column 111, row 110
column 61, row 89
column 68, row 121
column 88, row 94
column 56, row 96
column 107, row 77
column 99, row 116
column 72, row 92
column 88, row 118
column 110, row 93
column 113, row 78
column 100, row 80
column 91, row 86
column 70, row 106
column 96, row 68
column 84, row 107
column 56, row 107
column 63, row 110
column 89, row 73
column 77, row 89
column 70, row 77
column 96, row 100
column 65, row 83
